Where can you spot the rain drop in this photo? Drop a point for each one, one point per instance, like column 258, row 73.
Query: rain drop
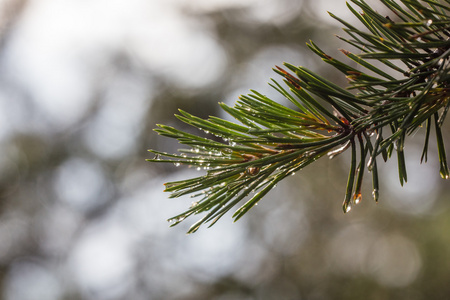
column 371, row 132
column 375, row 195
column 227, row 151
column 357, row 198
column 347, row 207
column 429, row 22
column 309, row 153
column 339, row 150
column 252, row 171
column 177, row 164
column 370, row 164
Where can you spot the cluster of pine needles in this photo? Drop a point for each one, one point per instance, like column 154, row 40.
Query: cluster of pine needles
column 405, row 90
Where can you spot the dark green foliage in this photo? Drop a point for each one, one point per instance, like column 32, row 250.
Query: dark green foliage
column 406, row 88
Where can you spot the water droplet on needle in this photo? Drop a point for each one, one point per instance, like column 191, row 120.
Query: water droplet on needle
column 252, row 171
column 357, row 198
column 348, row 207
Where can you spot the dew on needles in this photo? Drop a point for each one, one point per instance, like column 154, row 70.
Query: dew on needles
column 375, row 195
column 252, row 171
column 348, row 207
column 370, row 164
column 406, row 89
column 338, row 151
column 357, row 198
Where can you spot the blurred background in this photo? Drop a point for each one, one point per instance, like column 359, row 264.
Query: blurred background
column 83, row 215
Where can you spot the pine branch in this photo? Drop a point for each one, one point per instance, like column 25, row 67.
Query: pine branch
column 273, row 141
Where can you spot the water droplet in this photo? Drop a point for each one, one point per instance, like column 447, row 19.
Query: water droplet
column 339, row 150
column 347, row 207
column 370, row 164
column 177, row 164
column 199, row 168
column 194, row 204
column 309, row 153
column 157, row 157
column 375, row 195
column 429, row 22
column 293, row 173
column 196, row 150
column 227, row 151
column 357, row 198
column 252, row 171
